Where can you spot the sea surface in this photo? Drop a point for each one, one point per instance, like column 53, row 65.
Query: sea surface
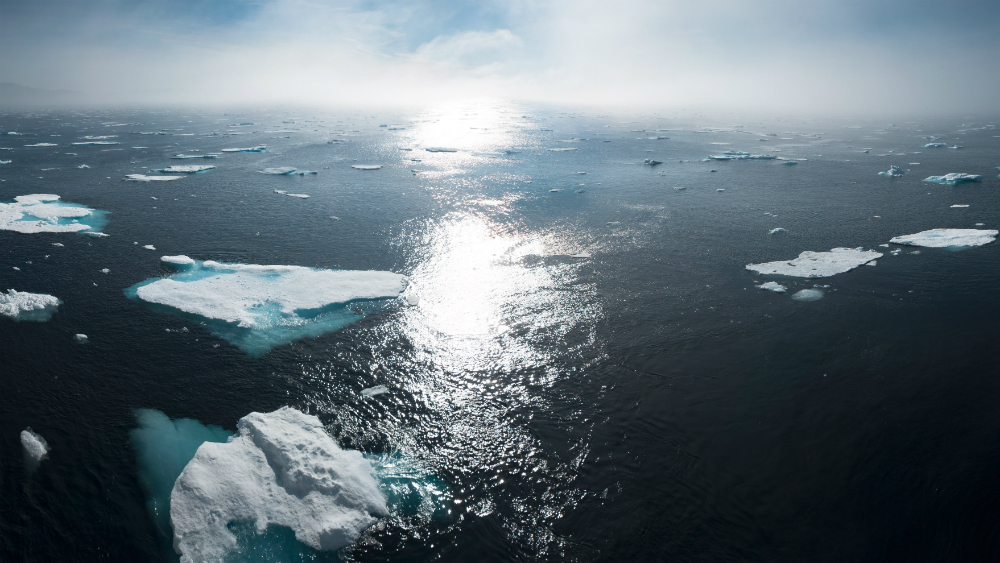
column 590, row 372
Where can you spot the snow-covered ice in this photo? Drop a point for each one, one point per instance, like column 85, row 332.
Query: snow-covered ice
column 954, row 179
column 807, row 295
column 366, row 166
column 286, row 171
column 281, row 468
column 149, row 247
column 24, row 306
column 258, row 307
column 773, row 286
column 818, row 264
column 81, row 338
column 376, row 390
column 893, row 171
column 44, row 213
column 189, row 169
column 934, row 145
column 35, row 447
column 948, row 238
column 145, row 178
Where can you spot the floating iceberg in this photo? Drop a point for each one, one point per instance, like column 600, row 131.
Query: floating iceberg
column 189, row 156
column 261, row 148
column 954, row 239
column 366, row 166
column 23, row 306
column 145, row 178
column 807, row 295
column 818, row 264
column 44, row 213
column 954, row 179
column 376, row 390
column 934, row 145
column 191, row 169
column 281, row 468
column 98, row 143
column 83, row 167
column 773, row 286
column 35, row 447
column 563, row 149
column 440, row 149
column 43, row 145
column 777, row 230
column 81, row 339
column 892, row 172
column 300, row 196
column 5, row 161
column 958, row 205
column 286, row 171
column 652, row 162
column 258, row 307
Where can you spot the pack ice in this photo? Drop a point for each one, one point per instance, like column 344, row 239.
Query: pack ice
column 190, row 169
column 258, row 307
column 280, row 468
column 24, row 306
column 44, row 213
column 818, row 264
column 955, row 239
column 892, row 172
column 954, row 179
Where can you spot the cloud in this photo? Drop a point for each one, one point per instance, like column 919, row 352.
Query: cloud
column 473, row 50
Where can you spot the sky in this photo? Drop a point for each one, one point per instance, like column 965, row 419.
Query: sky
column 844, row 56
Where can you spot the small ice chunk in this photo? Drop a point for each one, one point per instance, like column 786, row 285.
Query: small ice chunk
column 790, row 162
column 83, row 166
column 188, row 156
column 282, row 192
column 441, row 149
column 818, row 264
column 954, row 179
column 872, row 263
column 581, row 172
column 149, row 247
column 366, row 166
column 957, row 147
column 777, row 230
column 35, row 447
column 24, row 306
column 145, row 178
column 892, row 172
column 57, row 244
column 179, row 260
column 376, row 390
column 948, row 238
column 280, row 468
column 807, row 295
column 652, row 162
column 563, row 149
column 301, row 196
column 773, row 286
column 105, row 270
column 190, row 169
column 43, row 145
column 580, row 255
column 286, row 171
column 81, row 339
column 959, row 205
column 261, row 148
column 556, row 190
column 934, row 145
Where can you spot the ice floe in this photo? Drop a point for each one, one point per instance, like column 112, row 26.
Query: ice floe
column 43, row 145
column 24, row 306
column 777, row 230
column 44, row 213
column 955, row 239
column 281, row 468
column 807, row 295
column 773, row 286
column 145, row 178
column 818, row 264
column 563, row 149
column 954, row 179
column 286, row 171
column 366, row 166
column 934, row 145
column 83, row 167
column 376, row 390
column 440, row 149
column 81, row 339
column 959, row 205
column 893, row 171
column 97, row 143
column 190, row 156
column 258, row 307
column 261, row 148
column 35, row 447
column 189, row 169
column 789, row 162
column 652, row 162
column 739, row 155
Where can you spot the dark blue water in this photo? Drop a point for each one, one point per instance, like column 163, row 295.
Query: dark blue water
column 646, row 403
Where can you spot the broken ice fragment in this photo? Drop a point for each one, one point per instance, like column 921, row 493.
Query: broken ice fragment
column 24, row 306
column 43, row 145
column 189, row 156
column 192, row 169
column 790, row 162
column 893, row 171
column 818, row 264
column 81, row 339
column 934, row 145
column 83, row 166
column 376, row 390
column 955, row 239
column 652, row 162
column 773, row 286
column 145, row 178
column 440, row 149
column 954, row 179
column 808, row 295
column 366, row 166
column 563, row 149
column 286, row 171
column 959, row 205
column 44, row 213
column 149, row 247
column 261, row 148
column 35, row 447
column 777, row 230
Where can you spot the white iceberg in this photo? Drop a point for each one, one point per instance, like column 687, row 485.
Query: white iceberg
column 43, row 145
column 258, row 307
column 777, row 230
column 190, row 169
column 149, row 247
column 35, row 447
column 83, row 167
column 300, row 196
column 892, row 172
column 818, row 264
column 934, row 145
column 24, row 306
column 957, row 205
column 44, row 213
column 145, row 178
column 652, row 162
column 366, row 166
column 376, row 390
column 286, row 171
column 281, row 468
column 189, row 156
column 81, row 339
column 954, row 179
column 948, row 238
column 261, row 148
column 807, row 295
column 773, row 286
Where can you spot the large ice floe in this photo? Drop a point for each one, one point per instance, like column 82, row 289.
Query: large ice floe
column 258, row 307
column 953, row 239
column 892, row 172
column 44, row 213
column 24, row 306
column 818, row 264
column 189, row 169
column 145, row 178
column 280, row 469
column 954, row 179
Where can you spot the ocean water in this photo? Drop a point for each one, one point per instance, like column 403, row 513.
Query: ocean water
column 589, row 373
